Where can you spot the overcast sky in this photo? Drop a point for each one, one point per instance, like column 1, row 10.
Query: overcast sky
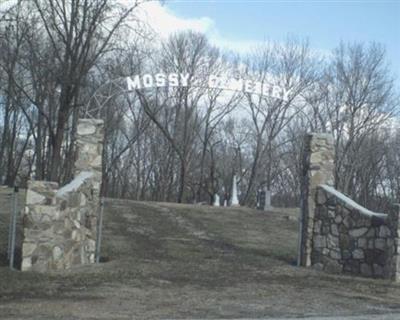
column 240, row 24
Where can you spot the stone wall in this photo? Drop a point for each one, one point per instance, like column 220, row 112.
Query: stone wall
column 350, row 239
column 318, row 167
column 396, row 257
column 337, row 234
column 60, row 223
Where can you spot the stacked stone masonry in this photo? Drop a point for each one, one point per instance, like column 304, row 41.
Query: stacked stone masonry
column 318, row 167
column 60, row 223
column 336, row 234
column 349, row 240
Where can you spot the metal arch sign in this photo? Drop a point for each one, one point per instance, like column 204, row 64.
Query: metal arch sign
column 160, row 80
column 121, row 85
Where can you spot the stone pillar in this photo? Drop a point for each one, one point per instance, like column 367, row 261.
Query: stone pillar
column 318, row 168
column 89, row 140
column 396, row 249
column 234, row 199
column 41, row 219
column 60, row 223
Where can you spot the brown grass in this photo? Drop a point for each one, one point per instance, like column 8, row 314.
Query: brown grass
column 183, row 261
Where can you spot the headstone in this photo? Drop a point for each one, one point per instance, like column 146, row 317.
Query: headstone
column 234, row 199
column 260, row 199
column 267, row 199
column 263, row 199
column 216, row 200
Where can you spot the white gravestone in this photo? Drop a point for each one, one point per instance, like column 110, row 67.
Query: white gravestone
column 216, row 200
column 234, row 199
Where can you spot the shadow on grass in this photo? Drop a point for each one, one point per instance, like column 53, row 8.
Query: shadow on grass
column 230, row 248
column 4, row 261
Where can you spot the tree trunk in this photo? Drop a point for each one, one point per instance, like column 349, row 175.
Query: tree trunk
column 57, row 145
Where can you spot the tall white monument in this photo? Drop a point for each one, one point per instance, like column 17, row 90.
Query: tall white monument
column 216, row 200
column 234, row 199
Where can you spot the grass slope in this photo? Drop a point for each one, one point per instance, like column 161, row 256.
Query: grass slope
column 179, row 261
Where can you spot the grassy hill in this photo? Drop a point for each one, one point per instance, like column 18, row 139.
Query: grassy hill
column 169, row 261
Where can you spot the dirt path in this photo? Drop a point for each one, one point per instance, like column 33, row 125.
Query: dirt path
column 193, row 262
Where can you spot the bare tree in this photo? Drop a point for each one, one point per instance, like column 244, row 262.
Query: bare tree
column 80, row 32
column 291, row 66
column 362, row 97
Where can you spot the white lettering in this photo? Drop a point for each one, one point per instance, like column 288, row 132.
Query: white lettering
column 267, row 89
column 248, row 86
column 223, row 83
column 236, row 84
column 133, row 84
column 173, row 80
column 160, row 80
column 257, row 88
column 213, row 81
column 148, row 81
column 276, row 92
column 185, row 79
column 270, row 91
column 285, row 96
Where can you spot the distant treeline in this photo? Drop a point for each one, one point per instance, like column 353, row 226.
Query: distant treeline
column 185, row 143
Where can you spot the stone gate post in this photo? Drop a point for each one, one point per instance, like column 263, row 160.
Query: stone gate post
column 396, row 249
column 89, row 140
column 318, row 168
column 89, row 143
column 60, row 224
